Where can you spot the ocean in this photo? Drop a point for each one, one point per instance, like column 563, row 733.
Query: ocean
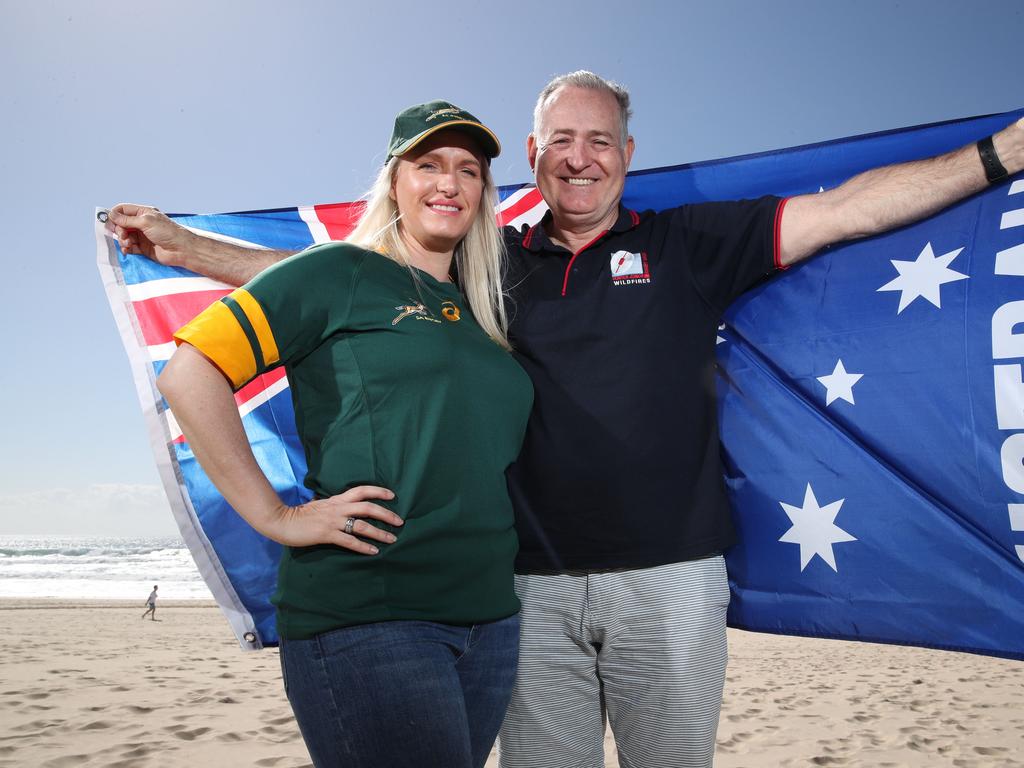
column 98, row 568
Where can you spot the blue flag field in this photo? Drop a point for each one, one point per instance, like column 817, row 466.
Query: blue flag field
column 871, row 403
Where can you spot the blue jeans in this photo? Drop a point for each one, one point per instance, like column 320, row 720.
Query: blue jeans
column 402, row 693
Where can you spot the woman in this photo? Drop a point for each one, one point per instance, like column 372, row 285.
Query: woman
column 396, row 611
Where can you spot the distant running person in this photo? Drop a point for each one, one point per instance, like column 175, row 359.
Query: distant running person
column 151, row 605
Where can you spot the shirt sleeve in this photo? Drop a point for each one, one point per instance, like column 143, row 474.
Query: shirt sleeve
column 730, row 245
column 284, row 313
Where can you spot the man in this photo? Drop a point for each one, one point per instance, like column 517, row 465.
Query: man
column 618, row 493
column 151, row 605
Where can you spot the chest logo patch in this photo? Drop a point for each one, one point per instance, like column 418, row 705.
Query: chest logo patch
column 416, row 310
column 629, row 268
column 450, row 312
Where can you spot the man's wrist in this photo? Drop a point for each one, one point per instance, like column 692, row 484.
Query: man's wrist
column 1009, row 147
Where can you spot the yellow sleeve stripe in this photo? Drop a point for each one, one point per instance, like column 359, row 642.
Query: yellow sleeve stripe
column 258, row 320
column 218, row 335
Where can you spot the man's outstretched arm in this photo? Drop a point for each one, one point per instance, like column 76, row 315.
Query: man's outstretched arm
column 144, row 230
column 885, row 198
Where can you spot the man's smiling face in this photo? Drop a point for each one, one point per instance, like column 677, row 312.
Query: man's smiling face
column 578, row 157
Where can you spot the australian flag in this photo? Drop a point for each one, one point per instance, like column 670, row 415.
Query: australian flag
column 871, row 403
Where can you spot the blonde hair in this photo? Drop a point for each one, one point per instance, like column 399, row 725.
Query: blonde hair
column 479, row 256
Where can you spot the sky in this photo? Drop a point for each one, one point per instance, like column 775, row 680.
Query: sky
column 205, row 107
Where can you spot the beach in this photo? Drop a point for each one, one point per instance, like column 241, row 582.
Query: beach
column 88, row 683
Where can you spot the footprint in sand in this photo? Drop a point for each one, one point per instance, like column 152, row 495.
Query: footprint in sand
column 192, row 735
column 735, row 739
column 96, row 725
column 140, row 750
column 40, row 725
column 869, row 738
column 828, row 760
column 989, row 751
column 66, row 761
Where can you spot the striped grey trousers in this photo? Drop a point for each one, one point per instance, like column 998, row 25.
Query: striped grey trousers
column 643, row 649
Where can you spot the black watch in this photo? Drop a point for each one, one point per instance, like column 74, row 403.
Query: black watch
column 994, row 170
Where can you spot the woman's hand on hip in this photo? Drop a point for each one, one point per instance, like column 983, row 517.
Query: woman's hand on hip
column 342, row 520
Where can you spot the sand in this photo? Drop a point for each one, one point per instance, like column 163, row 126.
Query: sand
column 90, row 684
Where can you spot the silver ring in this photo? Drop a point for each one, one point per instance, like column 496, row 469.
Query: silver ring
column 348, row 525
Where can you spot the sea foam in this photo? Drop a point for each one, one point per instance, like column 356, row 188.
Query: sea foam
column 93, row 567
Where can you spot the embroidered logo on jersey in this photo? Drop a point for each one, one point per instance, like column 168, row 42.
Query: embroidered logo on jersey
column 449, row 311
column 629, row 268
column 418, row 311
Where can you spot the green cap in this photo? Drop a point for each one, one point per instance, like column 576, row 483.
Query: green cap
column 416, row 123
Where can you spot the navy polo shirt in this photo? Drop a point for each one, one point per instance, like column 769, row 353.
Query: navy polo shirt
column 620, row 465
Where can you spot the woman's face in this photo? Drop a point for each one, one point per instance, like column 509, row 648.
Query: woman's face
column 438, row 187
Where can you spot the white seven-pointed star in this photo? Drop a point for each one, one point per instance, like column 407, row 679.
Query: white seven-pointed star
column 923, row 277
column 839, row 384
column 814, row 529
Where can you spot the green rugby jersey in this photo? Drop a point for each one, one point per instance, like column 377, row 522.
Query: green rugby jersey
column 394, row 384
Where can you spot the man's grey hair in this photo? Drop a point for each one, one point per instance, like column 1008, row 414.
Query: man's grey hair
column 584, row 79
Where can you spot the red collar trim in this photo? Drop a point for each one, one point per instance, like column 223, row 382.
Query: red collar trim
column 528, row 240
column 777, row 235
